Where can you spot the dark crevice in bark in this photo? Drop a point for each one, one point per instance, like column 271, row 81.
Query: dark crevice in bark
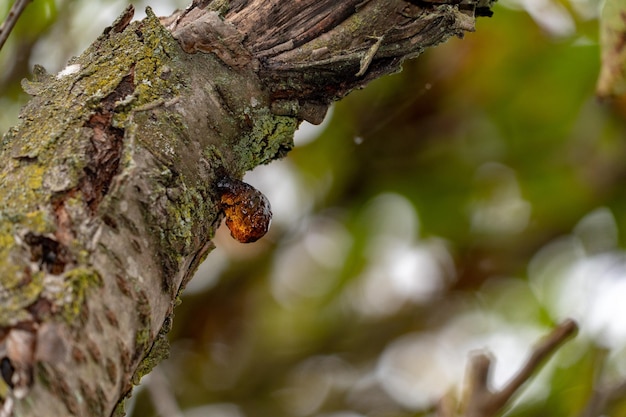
column 107, row 141
column 48, row 253
column 52, row 254
column 7, row 370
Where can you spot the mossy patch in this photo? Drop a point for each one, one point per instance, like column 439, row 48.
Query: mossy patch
column 77, row 283
column 16, row 296
column 159, row 351
column 270, row 138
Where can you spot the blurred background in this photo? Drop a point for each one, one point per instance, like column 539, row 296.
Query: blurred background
column 469, row 202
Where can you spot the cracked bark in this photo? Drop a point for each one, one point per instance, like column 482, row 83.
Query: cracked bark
column 125, row 162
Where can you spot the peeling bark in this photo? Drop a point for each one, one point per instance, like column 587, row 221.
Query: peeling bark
column 125, row 162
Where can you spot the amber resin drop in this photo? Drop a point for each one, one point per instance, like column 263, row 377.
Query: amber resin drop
column 248, row 212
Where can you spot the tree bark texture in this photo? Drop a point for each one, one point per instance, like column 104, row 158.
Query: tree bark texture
column 124, row 164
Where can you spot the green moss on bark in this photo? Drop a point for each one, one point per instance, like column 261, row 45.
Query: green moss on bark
column 270, row 138
column 159, row 351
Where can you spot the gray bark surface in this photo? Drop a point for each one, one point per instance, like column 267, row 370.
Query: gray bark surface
column 124, row 163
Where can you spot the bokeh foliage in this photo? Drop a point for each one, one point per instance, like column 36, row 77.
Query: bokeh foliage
column 470, row 201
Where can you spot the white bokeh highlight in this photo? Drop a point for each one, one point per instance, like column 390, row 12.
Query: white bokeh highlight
column 400, row 267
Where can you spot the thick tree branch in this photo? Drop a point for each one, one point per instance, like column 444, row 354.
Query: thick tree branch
column 125, row 162
column 313, row 54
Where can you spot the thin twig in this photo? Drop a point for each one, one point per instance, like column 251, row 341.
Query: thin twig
column 546, row 347
column 366, row 60
column 156, row 103
column 481, row 401
column 8, row 24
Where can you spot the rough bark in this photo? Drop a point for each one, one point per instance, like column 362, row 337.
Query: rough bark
column 125, row 162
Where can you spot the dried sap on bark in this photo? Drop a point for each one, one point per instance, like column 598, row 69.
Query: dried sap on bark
column 248, row 212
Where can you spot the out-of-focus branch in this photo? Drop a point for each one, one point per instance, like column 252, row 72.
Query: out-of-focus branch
column 604, row 395
column 8, row 24
column 544, row 349
column 603, row 398
column 481, row 400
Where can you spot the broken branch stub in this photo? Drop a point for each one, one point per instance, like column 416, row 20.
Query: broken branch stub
column 481, row 400
column 313, row 54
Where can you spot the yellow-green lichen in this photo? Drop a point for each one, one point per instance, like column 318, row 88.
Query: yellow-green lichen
column 82, row 256
column 21, row 188
column 4, row 388
column 213, row 154
column 271, row 137
column 142, row 338
column 158, row 47
column 120, row 409
column 6, row 239
column 15, row 282
column 181, row 224
column 17, row 295
column 77, row 283
column 139, row 52
column 37, row 222
column 12, row 278
column 220, row 6
column 35, row 177
column 159, row 351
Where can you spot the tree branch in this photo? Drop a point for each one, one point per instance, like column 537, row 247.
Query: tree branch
column 9, row 23
column 604, row 395
column 124, row 164
column 316, row 53
column 481, row 401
